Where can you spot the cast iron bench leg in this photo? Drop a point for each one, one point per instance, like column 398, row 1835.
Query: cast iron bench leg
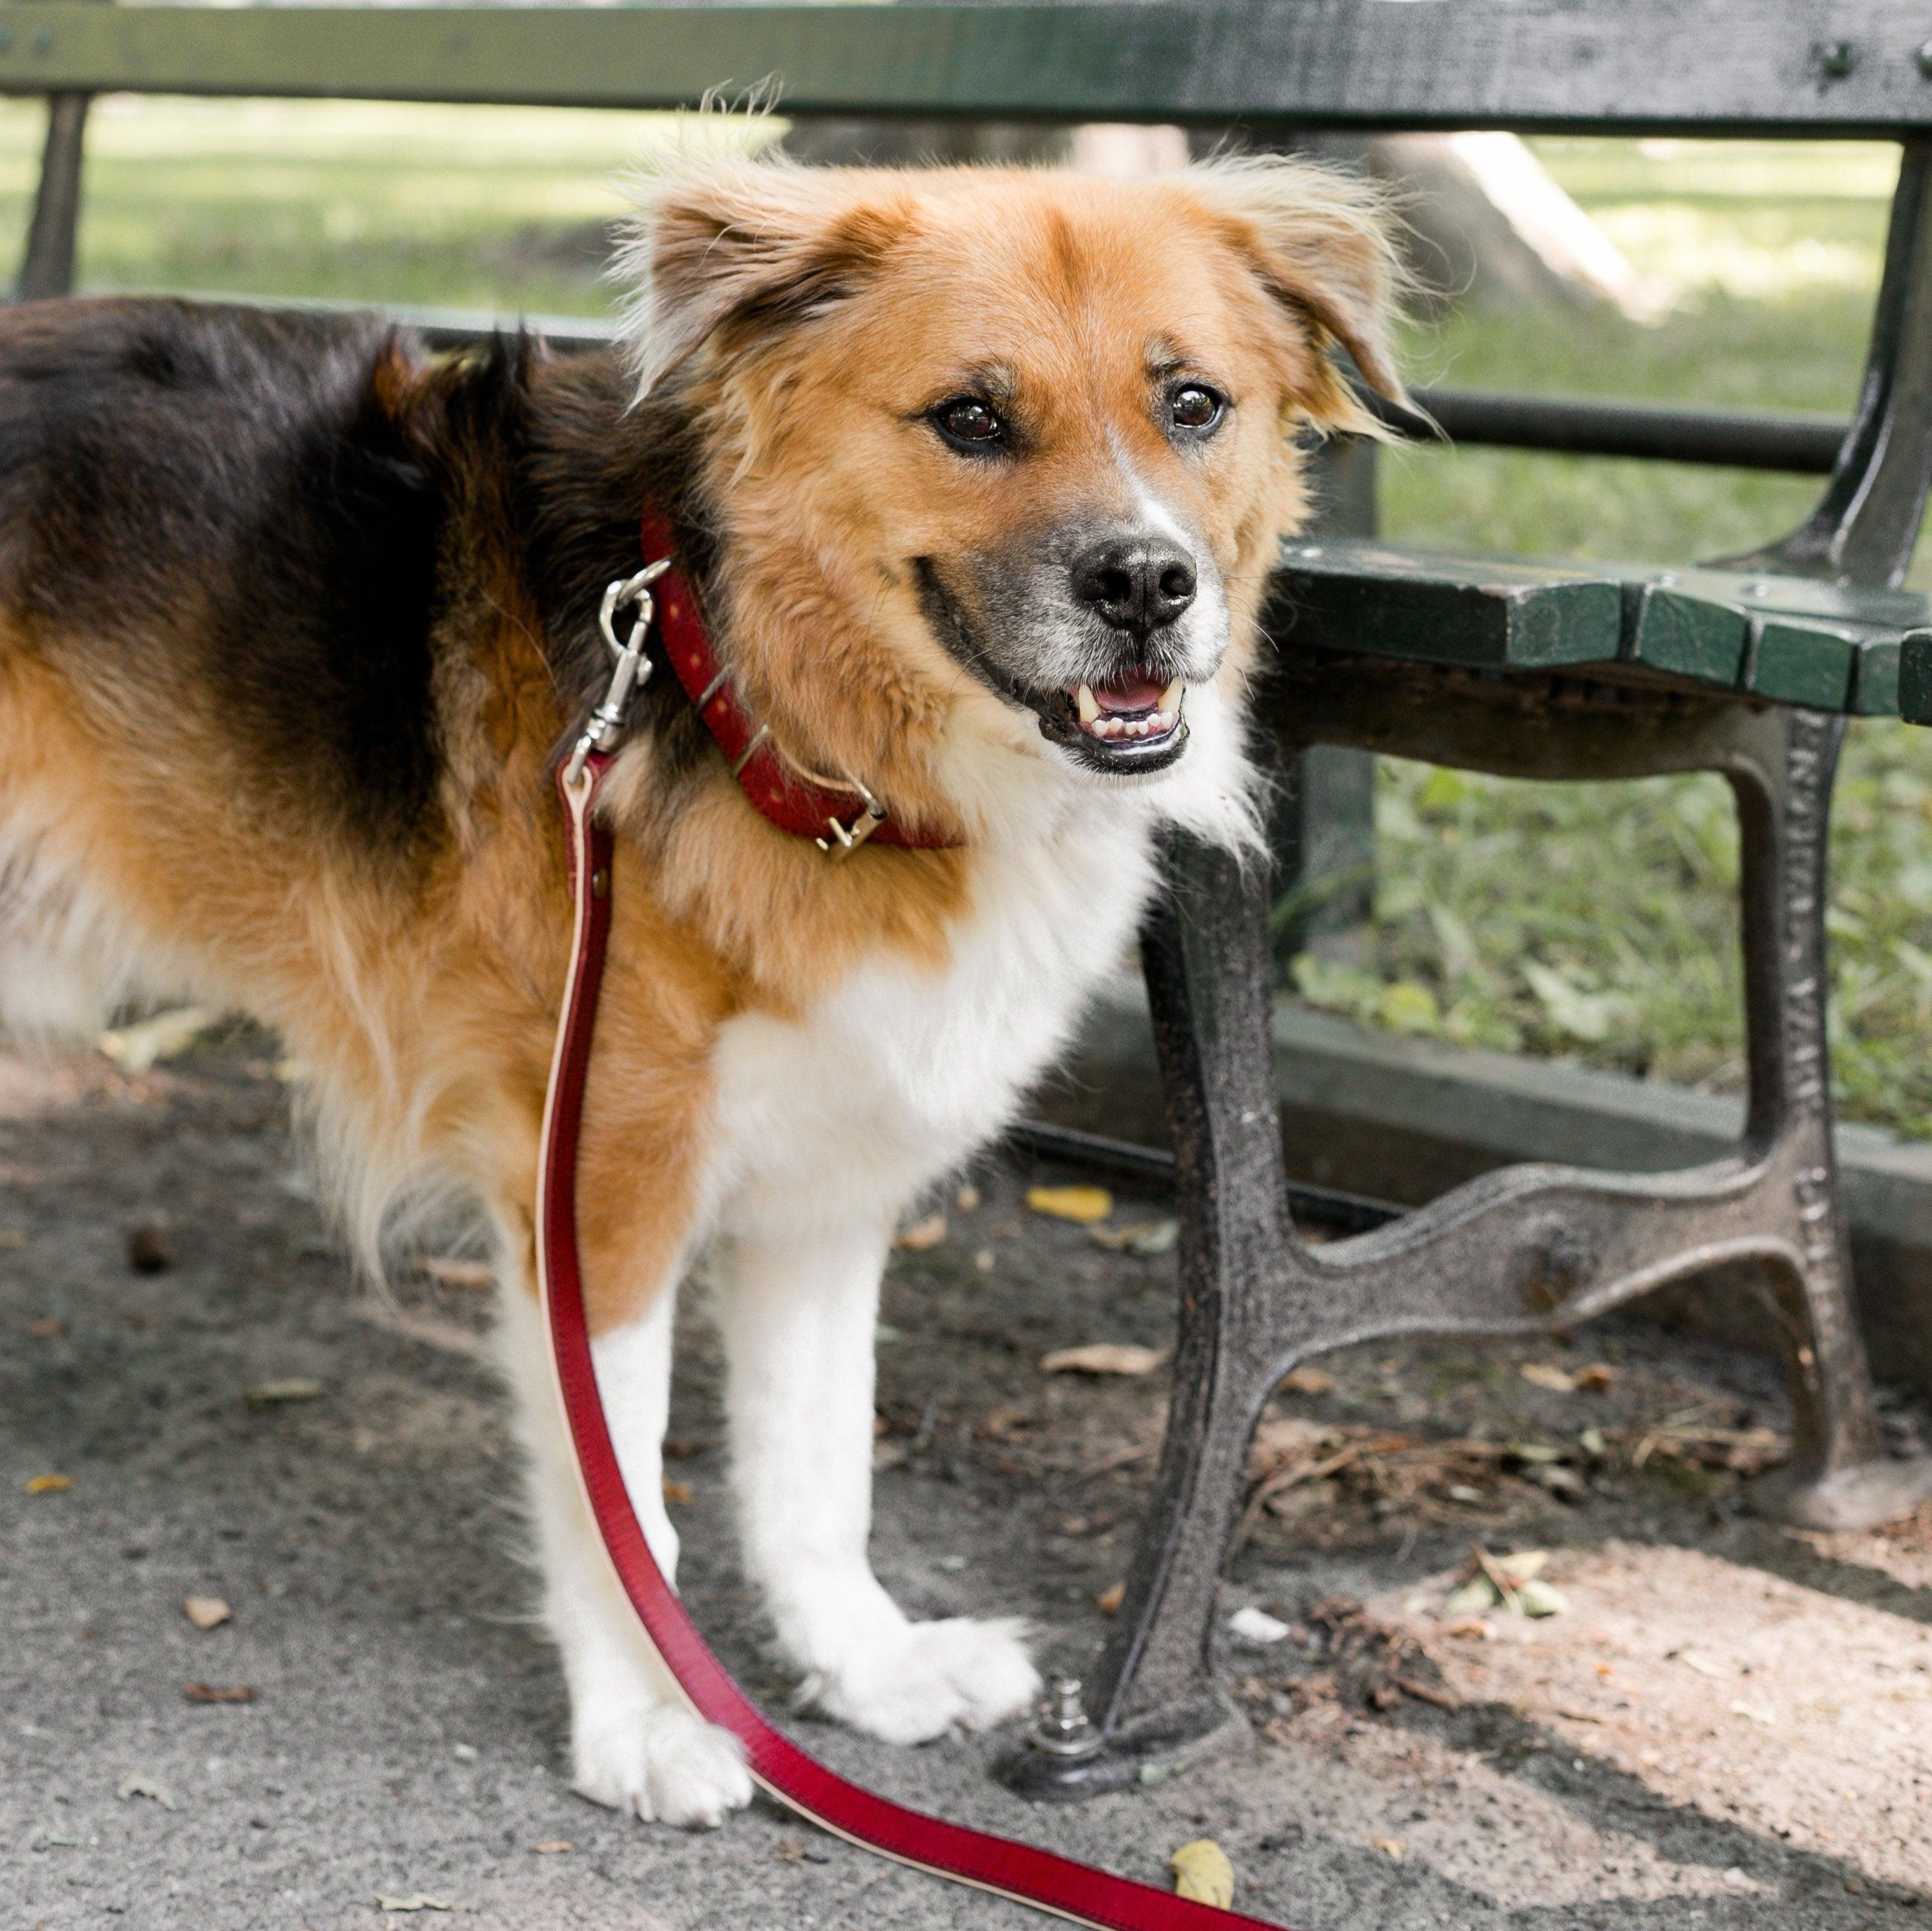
column 1523, row 1250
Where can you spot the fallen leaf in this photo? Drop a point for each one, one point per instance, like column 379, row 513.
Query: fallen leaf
column 1104, row 1357
column 206, row 1612
column 1146, row 1238
column 923, row 1234
column 1257, row 1626
column 555, row 1848
column 46, row 1331
column 206, row 1692
column 967, row 1199
column 1282, row 1437
column 47, row 1485
column 1472, row 1597
column 1703, row 1668
column 1308, row 1381
column 146, row 1786
column 1391, row 1847
column 272, row 1394
column 1108, row 1601
column 136, row 1048
column 1085, row 1204
column 678, row 1493
column 1756, row 1712
column 1003, row 1424
column 1598, row 1376
column 453, row 1272
column 1540, row 1599
column 1202, row 1873
column 415, row 1901
column 1547, row 1375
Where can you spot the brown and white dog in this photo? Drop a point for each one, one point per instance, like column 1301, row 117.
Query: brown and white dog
column 977, row 474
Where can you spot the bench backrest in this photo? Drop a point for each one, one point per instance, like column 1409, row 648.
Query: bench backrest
column 1790, row 68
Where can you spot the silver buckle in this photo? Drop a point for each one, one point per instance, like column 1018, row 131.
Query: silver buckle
column 633, row 670
column 845, row 838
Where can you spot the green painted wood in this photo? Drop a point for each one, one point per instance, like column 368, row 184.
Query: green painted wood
column 1492, row 613
column 1735, row 66
column 1811, row 664
column 1790, row 640
column 1915, row 677
column 1688, row 636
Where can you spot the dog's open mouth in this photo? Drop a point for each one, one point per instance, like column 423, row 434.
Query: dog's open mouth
column 1132, row 723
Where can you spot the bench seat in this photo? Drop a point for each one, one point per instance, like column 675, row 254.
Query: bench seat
column 1789, row 640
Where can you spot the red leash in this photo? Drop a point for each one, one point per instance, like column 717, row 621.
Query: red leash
column 1014, row 1870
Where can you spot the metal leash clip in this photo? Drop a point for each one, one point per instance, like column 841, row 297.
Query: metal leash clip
column 634, row 668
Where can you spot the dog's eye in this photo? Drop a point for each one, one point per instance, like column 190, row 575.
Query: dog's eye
column 1194, row 405
column 967, row 419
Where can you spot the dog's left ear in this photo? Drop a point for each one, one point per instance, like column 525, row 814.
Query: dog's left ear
column 718, row 247
column 1323, row 244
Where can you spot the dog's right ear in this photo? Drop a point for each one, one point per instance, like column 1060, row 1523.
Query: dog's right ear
column 718, row 248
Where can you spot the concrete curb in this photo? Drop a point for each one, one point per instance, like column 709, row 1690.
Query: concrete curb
column 1404, row 1119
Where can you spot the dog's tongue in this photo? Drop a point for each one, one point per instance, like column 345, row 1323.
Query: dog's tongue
column 1131, row 693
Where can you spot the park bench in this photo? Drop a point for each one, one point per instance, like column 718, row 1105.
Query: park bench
column 1749, row 666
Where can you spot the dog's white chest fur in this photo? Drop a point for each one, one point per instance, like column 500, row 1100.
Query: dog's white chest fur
column 897, row 1074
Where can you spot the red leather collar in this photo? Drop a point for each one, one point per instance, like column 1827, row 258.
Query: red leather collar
column 837, row 814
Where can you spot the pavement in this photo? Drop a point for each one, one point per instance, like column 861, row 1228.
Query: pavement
column 1728, row 1724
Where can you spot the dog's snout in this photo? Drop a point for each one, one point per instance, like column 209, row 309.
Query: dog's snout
column 1135, row 584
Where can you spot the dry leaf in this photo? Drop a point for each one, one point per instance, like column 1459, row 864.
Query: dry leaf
column 147, row 1787
column 1104, row 1357
column 1472, row 1597
column 1521, row 1565
column 1108, row 1601
column 1308, row 1381
column 1598, row 1376
column 206, row 1692
column 1756, row 1712
column 1085, row 1204
column 1147, row 1239
column 1540, row 1599
column 923, row 1234
column 1257, row 1626
column 1391, row 1847
column 676, row 1492
column 206, row 1612
column 1202, row 1873
column 415, row 1901
column 136, row 1048
column 272, row 1394
column 555, row 1848
column 1547, row 1375
column 454, row 1272
column 47, row 1485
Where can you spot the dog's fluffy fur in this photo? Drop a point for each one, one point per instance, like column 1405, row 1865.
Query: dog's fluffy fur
column 294, row 620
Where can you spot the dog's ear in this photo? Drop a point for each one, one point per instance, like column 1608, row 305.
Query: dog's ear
column 1323, row 244
column 719, row 247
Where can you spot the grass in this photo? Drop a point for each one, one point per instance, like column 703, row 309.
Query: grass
column 1593, row 921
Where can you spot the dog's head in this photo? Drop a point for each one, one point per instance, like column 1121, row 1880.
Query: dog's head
column 994, row 448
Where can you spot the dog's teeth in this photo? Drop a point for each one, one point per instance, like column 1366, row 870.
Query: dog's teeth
column 1089, row 709
column 1170, row 698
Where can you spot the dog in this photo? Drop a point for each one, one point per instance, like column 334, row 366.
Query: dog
column 976, row 475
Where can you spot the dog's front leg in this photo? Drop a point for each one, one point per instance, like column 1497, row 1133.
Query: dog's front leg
column 800, row 1315
column 635, row 1745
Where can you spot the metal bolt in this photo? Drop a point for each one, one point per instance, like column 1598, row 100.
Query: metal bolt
column 1064, row 1729
column 1836, row 58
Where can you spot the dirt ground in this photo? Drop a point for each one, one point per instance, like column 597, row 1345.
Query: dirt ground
column 1725, row 1725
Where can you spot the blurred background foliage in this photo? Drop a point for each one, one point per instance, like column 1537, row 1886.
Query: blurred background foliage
column 1592, row 921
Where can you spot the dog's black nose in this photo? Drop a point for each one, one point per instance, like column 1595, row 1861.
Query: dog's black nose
column 1134, row 584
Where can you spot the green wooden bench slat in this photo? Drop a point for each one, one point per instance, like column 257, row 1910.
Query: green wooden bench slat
column 1734, row 66
column 1790, row 640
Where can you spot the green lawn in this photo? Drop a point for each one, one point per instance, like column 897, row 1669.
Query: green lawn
column 1586, row 920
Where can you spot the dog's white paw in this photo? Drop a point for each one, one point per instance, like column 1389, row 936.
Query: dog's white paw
column 931, row 1677
column 668, row 1766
